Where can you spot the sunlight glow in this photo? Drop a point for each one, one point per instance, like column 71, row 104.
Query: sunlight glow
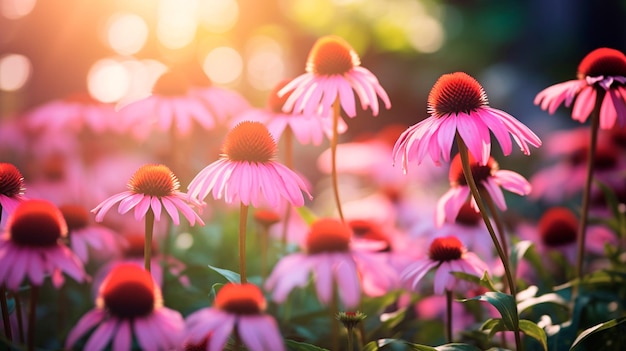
column 265, row 66
column 15, row 9
column 127, row 33
column 177, row 22
column 426, row 34
column 108, row 80
column 223, row 65
column 14, row 71
column 218, row 16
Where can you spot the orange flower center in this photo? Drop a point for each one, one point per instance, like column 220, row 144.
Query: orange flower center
column 328, row 235
column 468, row 216
column 479, row 172
column 129, row 291
column 249, row 141
column 135, row 245
column 558, row 226
column 266, row 217
column 11, row 180
column 81, row 98
column 76, row 216
column 53, row 167
column 369, row 230
column 602, row 62
column 240, row 299
column 171, row 83
column 331, row 55
column 36, row 223
column 153, row 180
column 455, row 93
column 448, row 248
column 274, row 102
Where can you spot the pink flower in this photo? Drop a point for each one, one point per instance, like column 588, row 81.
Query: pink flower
column 11, row 189
column 246, row 172
column 602, row 69
column 153, row 187
column 457, row 103
column 31, row 247
column 238, row 308
column 488, row 177
column 335, row 267
column 333, row 72
column 446, row 255
column 129, row 305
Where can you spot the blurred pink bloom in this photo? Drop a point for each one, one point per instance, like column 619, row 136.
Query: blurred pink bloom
column 446, row 255
column 488, row 177
column 246, row 172
column 31, row 247
column 457, row 103
column 602, row 68
column 333, row 73
column 11, row 189
column 129, row 306
column 153, row 187
column 238, row 309
column 335, row 265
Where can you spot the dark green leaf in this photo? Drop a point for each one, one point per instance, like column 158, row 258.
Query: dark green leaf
column 546, row 298
column 229, row 275
column 534, row 331
column 518, row 251
column 505, row 304
column 493, row 325
column 596, row 328
column 457, row 346
column 301, row 346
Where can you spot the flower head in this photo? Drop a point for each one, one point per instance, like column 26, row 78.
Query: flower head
column 457, row 103
column 240, row 309
column 333, row 72
column 129, row 304
column 153, row 187
column 247, row 172
column 11, row 188
column 602, row 71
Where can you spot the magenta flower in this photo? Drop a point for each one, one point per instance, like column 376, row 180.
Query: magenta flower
column 334, row 265
column 333, row 72
column 129, row 305
column 488, row 177
column 246, row 172
column 153, row 187
column 238, row 308
column 446, row 255
column 31, row 247
column 602, row 68
column 457, row 103
column 11, row 189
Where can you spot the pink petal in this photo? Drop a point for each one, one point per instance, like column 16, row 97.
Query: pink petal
column 123, row 337
column 260, row 333
column 86, row 322
column 347, row 279
column 142, row 208
column 584, row 104
column 102, row 335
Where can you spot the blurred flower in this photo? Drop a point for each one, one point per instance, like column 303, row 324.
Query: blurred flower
column 246, row 172
column 333, row 72
column 240, row 309
column 330, row 257
column 11, row 189
column 487, row 176
column 129, row 306
column 445, row 255
column 457, row 103
column 31, row 247
column 153, row 187
column 602, row 68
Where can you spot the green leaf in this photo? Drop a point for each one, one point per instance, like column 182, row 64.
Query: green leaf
column 505, row 304
column 229, row 275
column 376, row 345
column 307, row 215
column 518, row 251
column 457, row 347
column 596, row 328
column 301, row 346
column 546, row 298
column 493, row 325
column 534, row 331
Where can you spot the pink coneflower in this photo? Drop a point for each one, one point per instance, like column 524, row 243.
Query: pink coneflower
column 602, row 71
column 335, row 266
column 238, row 309
column 457, row 104
column 129, row 305
column 31, row 247
column 11, row 189
column 487, row 177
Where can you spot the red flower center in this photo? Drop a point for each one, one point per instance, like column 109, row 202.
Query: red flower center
column 36, row 223
column 136, row 244
column 479, row 172
column 468, row 216
column 602, row 62
column 153, row 180
column 11, row 180
column 331, row 55
column 240, row 299
column 558, row 226
column 82, row 98
column 76, row 216
column 455, row 93
column 266, row 217
column 129, row 291
column 328, row 235
column 606, row 157
column 171, row 83
column 448, row 248
column 53, row 167
column 274, row 102
column 201, row 346
column 249, row 141
column 369, row 230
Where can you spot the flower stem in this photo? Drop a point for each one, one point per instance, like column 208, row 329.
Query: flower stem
column 498, row 221
column 147, row 246
column 18, row 311
column 350, row 340
column 467, row 171
column 32, row 317
column 243, row 220
column 264, row 237
column 449, row 315
column 582, row 225
column 333, row 154
column 334, row 322
column 288, row 141
column 5, row 312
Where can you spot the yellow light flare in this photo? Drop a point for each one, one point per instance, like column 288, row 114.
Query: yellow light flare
column 425, row 34
column 265, row 63
column 218, row 16
column 177, row 23
column 107, row 80
column 16, row 9
column 223, row 65
column 15, row 70
column 126, row 33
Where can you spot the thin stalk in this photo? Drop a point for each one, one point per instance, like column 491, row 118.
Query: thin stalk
column 147, row 246
column 288, row 141
column 498, row 220
column 467, row 171
column 243, row 220
column 5, row 312
column 582, row 225
column 333, row 154
column 350, row 340
column 264, row 247
column 449, row 315
column 32, row 317
column 334, row 322
column 20, row 322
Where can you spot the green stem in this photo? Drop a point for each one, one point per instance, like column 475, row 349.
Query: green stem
column 288, row 141
column 350, row 340
column 5, row 311
column 498, row 220
column 333, row 154
column 449, row 315
column 264, row 247
column 147, row 245
column 243, row 220
column 334, row 326
column 18, row 311
column 32, row 317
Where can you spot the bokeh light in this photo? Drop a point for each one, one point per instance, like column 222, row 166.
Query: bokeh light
column 15, row 9
column 265, row 64
column 218, row 16
column 223, row 65
column 425, row 34
column 177, row 23
column 15, row 70
column 108, row 80
column 126, row 33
